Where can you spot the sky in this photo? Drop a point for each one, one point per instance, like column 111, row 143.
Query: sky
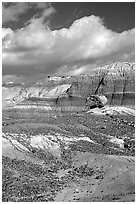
column 64, row 38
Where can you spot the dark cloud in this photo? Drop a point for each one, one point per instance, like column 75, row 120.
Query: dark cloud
column 12, row 11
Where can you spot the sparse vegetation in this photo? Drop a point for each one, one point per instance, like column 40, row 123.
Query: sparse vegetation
column 68, row 154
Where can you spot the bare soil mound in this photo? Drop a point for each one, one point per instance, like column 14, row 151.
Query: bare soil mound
column 68, row 157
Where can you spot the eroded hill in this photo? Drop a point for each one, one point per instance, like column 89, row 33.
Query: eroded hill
column 115, row 82
column 69, row 139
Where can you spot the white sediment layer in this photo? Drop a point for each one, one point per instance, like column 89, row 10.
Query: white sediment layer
column 44, row 143
column 117, row 141
column 112, row 111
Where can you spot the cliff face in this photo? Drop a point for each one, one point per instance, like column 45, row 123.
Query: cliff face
column 111, row 84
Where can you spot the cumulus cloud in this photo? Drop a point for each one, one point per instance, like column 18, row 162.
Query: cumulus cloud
column 12, row 11
column 7, row 35
column 87, row 42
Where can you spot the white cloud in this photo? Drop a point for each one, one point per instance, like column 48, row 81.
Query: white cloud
column 87, row 41
column 7, row 35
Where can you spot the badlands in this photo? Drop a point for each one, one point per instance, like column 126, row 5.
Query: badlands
column 70, row 138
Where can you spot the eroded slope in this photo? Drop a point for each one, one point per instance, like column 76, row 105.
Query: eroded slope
column 116, row 82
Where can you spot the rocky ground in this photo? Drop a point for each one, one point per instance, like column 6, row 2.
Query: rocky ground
column 68, row 156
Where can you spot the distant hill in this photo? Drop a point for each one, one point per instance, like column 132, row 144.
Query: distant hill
column 116, row 82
